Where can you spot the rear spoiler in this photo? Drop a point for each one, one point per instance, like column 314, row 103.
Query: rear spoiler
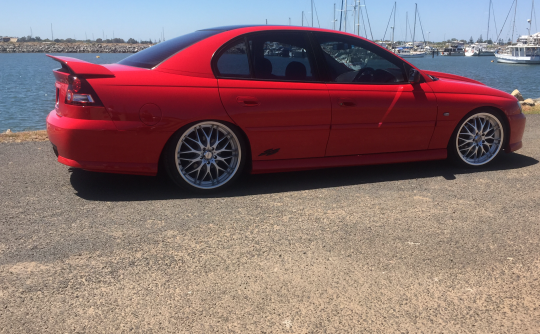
column 83, row 68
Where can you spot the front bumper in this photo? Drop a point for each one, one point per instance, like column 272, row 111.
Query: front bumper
column 517, row 128
column 97, row 145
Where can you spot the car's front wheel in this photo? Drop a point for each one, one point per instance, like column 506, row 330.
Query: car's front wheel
column 478, row 139
column 205, row 157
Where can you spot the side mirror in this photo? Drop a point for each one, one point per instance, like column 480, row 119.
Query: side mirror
column 414, row 76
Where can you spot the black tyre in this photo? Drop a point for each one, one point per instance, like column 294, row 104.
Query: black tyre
column 478, row 139
column 205, row 157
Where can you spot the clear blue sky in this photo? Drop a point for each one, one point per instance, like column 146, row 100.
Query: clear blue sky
column 146, row 19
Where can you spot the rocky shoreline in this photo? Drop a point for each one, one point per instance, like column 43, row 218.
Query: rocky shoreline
column 71, row 48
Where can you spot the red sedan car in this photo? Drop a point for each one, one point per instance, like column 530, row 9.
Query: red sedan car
column 213, row 103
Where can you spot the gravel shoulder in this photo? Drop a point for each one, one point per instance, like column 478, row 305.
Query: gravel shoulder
column 409, row 248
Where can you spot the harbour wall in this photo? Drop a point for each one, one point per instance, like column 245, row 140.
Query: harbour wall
column 71, row 48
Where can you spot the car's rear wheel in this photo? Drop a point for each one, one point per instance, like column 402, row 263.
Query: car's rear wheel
column 205, row 157
column 478, row 139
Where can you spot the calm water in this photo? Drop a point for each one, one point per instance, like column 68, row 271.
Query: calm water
column 27, row 82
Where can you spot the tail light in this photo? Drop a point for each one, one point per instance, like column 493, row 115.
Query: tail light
column 80, row 92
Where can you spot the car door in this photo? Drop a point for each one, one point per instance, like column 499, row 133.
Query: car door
column 374, row 107
column 272, row 90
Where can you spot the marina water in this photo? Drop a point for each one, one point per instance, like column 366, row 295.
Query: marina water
column 27, row 90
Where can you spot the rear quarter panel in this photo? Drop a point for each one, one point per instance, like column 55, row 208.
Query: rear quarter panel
column 181, row 100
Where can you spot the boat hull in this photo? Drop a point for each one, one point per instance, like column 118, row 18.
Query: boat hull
column 507, row 59
column 453, row 54
column 412, row 56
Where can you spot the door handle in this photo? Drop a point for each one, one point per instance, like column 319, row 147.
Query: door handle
column 247, row 101
column 345, row 103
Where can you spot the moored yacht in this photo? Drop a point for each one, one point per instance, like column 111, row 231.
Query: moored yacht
column 526, row 51
column 521, row 54
column 477, row 50
column 454, row 50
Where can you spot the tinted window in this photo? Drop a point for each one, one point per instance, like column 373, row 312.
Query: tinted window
column 154, row 55
column 233, row 61
column 282, row 56
column 353, row 60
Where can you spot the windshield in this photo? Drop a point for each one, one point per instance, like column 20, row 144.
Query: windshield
column 151, row 57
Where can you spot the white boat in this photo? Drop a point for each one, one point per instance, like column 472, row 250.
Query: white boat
column 526, row 51
column 478, row 50
column 481, row 49
column 453, row 50
column 520, row 54
column 407, row 53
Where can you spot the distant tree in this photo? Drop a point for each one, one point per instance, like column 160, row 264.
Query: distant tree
column 132, row 41
column 70, row 40
column 480, row 40
column 22, row 40
column 463, row 41
column 38, row 39
column 99, row 40
column 107, row 41
column 471, row 41
column 117, row 40
column 509, row 42
column 489, row 41
column 57, row 40
column 146, row 42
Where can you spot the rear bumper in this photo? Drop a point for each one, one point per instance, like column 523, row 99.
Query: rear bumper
column 96, row 145
column 517, row 128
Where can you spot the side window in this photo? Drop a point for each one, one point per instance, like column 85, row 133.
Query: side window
column 353, row 60
column 282, row 56
column 233, row 61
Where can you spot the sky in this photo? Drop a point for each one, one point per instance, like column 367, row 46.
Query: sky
column 143, row 20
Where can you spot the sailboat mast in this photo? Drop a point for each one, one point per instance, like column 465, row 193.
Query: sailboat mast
column 489, row 19
column 406, row 24
column 530, row 21
column 394, row 27
column 514, row 24
column 414, row 28
column 334, row 16
column 312, row 13
column 345, row 22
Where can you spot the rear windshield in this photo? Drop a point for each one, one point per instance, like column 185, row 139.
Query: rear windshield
column 149, row 58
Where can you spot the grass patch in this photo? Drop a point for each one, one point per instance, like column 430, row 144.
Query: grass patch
column 532, row 110
column 19, row 137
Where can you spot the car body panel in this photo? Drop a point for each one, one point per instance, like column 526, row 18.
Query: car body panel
column 370, row 119
column 293, row 117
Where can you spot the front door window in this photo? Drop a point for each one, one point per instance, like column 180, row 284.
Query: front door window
column 353, row 60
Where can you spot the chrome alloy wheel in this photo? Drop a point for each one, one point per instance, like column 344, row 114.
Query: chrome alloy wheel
column 479, row 139
column 208, row 155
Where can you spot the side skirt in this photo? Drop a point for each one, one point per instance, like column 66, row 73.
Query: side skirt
column 275, row 166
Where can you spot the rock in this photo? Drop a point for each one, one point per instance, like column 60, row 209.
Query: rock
column 8, row 131
column 529, row 102
column 518, row 95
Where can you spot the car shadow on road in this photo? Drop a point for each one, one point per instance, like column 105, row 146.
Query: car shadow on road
column 114, row 187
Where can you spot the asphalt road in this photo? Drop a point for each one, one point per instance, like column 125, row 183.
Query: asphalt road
column 408, row 248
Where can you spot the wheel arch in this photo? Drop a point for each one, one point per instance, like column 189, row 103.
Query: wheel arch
column 241, row 131
column 502, row 115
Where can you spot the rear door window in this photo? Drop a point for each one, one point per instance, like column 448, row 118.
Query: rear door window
column 282, row 56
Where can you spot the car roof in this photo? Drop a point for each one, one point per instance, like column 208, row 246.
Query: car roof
column 196, row 59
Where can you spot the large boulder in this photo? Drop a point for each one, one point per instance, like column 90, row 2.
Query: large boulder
column 529, row 102
column 518, row 95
